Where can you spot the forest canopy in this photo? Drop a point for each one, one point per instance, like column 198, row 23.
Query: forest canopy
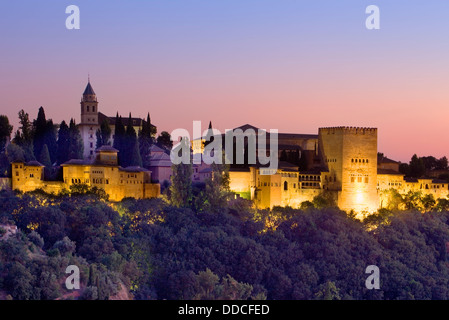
column 148, row 249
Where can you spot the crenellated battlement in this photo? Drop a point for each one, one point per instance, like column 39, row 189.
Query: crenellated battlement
column 347, row 130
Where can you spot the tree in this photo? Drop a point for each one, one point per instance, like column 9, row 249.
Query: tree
column 217, row 191
column 39, row 129
column 76, row 148
column 146, row 140
column 442, row 164
column 63, row 143
column 15, row 153
column 119, row 138
column 417, row 167
column 5, row 131
column 131, row 156
column 104, row 134
column 24, row 136
column 181, row 183
column 50, row 140
column 135, row 159
column 164, row 140
column 428, row 202
column 44, row 157
column 328, row 291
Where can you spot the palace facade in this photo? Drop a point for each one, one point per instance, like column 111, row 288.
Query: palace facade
column 341, row 163
column 102, row 172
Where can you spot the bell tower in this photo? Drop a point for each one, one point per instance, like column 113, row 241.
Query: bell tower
column 89, row 106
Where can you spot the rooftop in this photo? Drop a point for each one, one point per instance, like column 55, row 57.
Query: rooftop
column 106, row 148
column 89, row 90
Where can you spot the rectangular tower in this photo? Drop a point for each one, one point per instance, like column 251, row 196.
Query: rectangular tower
column 350, row 154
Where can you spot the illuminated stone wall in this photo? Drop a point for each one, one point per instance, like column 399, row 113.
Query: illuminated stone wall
column 350, row 153
column 117, row 183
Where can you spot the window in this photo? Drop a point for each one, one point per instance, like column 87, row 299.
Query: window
column 87, row 108
column 285, row 185
column 359, row 179
column 17, row 173
column 93, row 108
column 352, row 179
column 366, row 179
column 91, row 145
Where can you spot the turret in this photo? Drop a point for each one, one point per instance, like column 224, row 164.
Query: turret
column 89, row 106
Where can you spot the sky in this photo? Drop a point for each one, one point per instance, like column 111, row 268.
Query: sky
column 290, row 65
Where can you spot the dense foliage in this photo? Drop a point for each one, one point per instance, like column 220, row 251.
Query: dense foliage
column 153, row 250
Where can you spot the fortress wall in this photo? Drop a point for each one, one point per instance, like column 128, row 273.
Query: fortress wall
column 240, row 181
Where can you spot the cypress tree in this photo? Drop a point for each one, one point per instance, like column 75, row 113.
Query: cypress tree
column 135, row 159
column 181, row 183
column 76, row 148
column 131, row 147
column 40, row 128
column 44, row 157
column 63, row 143
column 50, row 140
column 119, row 136
column 5, row 131
column 104, row 134
column 146, row 140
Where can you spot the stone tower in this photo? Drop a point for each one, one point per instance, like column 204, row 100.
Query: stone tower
column 350, row 155
column 89, row 121
column 89, row 106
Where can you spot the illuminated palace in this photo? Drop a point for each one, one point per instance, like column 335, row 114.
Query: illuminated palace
column 340, row 162
column 103, row 172
column 99, row 168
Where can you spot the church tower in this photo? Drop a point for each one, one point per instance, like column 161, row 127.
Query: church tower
column 89, row 120
column 89, row 106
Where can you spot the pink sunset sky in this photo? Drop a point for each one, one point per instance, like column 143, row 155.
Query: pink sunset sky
column 294, row 66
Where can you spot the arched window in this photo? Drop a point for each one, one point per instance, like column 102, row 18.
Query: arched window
column 285, row 185
column 93, row 108
column 87, row 108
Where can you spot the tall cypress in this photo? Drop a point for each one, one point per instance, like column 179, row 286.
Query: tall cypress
column 5, row 131
column 131, row 149
column 44, row 157
column 76, row 148
column 63, row 143
column 181, row 183
column 146, row 140
column 50, row 140
column 104, row 134
column 119, row 136
column 40, row 128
